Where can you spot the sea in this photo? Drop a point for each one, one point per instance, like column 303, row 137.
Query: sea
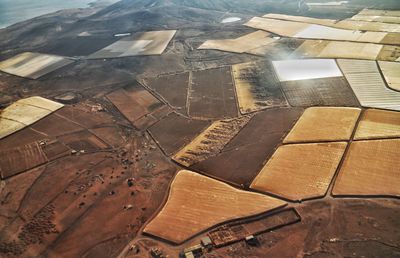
column 13, row 11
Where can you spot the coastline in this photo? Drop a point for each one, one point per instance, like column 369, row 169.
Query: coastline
column 12, row 12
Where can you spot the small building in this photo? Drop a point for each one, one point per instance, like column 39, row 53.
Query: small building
column 192, row 252
column 206, row 242
column 156, row 253
column 188, row 255
column 252, row 240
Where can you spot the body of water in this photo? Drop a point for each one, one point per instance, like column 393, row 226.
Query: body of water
column 13, row 11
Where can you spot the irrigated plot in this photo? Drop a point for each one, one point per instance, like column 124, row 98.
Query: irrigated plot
column 377, row 16
column 343, row 24
column 175, row 131
column 378, row 124
column 324, row 124
column 257, row 87
column 243, row 157
column 211, row 141
column 337, row 49
column 134, row 102
column 283, row 28
column 371, row 168
column 367, row 83
column 319, row 92
column 25, row 112
column 313, row 31
column 306, row 69
column 173, row 88
column 33, row 65
column 145, row 43
column 379, row 12
column 391, row 73
column 242, row 44
column 196, row 203
column 212, row 94
column 300, row 171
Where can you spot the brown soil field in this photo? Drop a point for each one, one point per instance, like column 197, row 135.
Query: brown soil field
column 172, row 88
column 212, row 95
column 55, row 149
column 85, row 117
column 196, row 203
column 334, row 124
column 377, row 124
column 17, row 160
column 13, row 191
column 20, row 138
column 54, row 125
column 300, row 171
column 320, row 92
column 112, row 135
column 83, row 141
column 243, row 157
column 146, row 121
column 175, row 131
column 134, row 102
column 371, row 168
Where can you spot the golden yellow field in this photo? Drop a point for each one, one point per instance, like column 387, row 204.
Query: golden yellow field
column 197, row 202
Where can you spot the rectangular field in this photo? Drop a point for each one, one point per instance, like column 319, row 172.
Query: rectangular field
column 172, row 88
column 134, row 102
column 33, row 65
column 212, row 94
column 237, row 231
column 322, row 92
column 144, row 43
column 257, row 87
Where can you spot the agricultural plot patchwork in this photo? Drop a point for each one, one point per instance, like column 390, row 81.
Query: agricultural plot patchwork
column 313, row 121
